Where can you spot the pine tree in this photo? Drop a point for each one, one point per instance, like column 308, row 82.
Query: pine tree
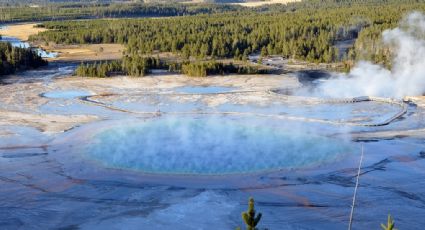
column 390, row 224
column 250, row 218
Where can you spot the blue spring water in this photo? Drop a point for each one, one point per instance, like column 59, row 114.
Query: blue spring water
column 210, row 146
column 66, row 94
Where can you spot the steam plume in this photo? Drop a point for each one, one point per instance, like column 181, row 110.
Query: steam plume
column 406, row 77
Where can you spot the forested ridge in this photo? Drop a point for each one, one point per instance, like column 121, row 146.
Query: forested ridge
column 16, row 58
column 305, row 34
column 46, row 10
column 83, row 10
column 307, row 30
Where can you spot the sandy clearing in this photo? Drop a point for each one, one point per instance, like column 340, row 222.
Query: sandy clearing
column 21, row 31
column 265, row 2
column 249, row 3
column 86, row 52
column 192, row 2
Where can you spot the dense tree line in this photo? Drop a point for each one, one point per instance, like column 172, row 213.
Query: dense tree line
column 369, row 46
column 307, row 34
column 143, row 65
column 15, row 58
column 102, row 69
column 290, row 35
column 203, row 69
column 138, row 67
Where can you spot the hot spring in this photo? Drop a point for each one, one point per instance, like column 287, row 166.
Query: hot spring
column 67, row 94
column 212, row 146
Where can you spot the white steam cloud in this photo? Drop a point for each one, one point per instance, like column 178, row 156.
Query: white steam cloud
column 406, row 77
column 214, row 145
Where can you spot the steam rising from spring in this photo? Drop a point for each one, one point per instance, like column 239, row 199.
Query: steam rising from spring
column 213, row 146
column 406, row 77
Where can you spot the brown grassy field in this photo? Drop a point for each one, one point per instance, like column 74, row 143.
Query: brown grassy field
column 88, row 52
column 66, row 52
column 21, row 31
column 265, row 2
column 253, row 3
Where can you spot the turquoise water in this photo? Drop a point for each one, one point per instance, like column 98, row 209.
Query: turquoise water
column 211, row 146
column 66, row 94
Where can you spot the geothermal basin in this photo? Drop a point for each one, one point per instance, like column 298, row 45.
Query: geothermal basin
column 176, row 152
column 211, row 146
